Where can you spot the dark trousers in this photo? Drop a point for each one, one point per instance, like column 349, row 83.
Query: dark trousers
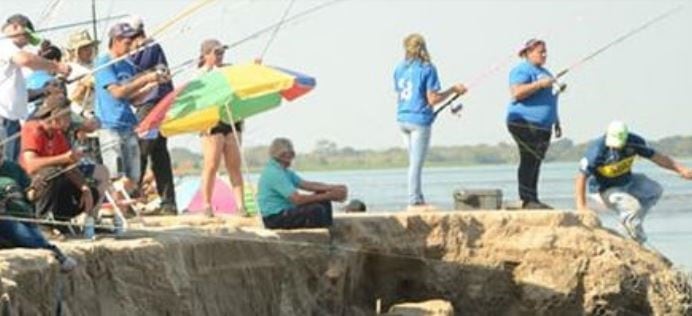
column 11, row 151
column 25, row 235
column 62, row 198
column 533, row 142
column 313, row 215
column 157, row 150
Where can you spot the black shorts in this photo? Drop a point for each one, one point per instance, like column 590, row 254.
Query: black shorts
column 225, row 129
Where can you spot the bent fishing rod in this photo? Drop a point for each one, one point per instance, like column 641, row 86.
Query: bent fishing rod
column 177, row 18
column 618, row 40
column 179, row 68
column 560, row 87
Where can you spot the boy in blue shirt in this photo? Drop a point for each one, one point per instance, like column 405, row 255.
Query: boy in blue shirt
column 119, row 88
column 607, row 166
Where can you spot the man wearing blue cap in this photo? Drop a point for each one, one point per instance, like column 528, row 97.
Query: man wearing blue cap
column 608, row 164
column 118, row 88
column 18, row 32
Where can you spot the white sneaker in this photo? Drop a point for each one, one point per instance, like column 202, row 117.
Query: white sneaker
column 68, row 264
column 634, row 230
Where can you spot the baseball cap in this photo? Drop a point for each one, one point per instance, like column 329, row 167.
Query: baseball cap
column 211, row 45
column 528, row 45
column 134, row 21
column 616, row 135
column 24, row 21
column 122, row 30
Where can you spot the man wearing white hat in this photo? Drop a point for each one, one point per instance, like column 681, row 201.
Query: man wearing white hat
column 608, row 167
column 81, row 51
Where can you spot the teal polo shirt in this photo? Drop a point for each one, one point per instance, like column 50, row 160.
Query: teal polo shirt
column 276, row 185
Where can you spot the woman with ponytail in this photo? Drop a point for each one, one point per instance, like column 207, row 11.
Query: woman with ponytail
column 418, row 92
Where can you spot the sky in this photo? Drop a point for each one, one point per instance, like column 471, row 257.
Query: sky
column 353, row 46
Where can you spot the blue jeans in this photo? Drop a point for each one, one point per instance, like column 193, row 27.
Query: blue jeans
column 120, row 153
column 417, row 138
column 633, row 200
column 11, row 151
column 26, row 235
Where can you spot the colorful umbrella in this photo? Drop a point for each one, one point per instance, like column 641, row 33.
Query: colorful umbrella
column 243, row 90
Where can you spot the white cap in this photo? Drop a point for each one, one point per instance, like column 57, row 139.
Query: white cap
column 616, row 135
column 134, row 21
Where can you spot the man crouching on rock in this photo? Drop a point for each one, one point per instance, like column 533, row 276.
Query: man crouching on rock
column 608, row 161
column 61, row 183
column 281, row 203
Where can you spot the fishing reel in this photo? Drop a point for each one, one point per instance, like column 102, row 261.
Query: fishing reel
column 559, row 87
column 456, row 108
column 162, row 72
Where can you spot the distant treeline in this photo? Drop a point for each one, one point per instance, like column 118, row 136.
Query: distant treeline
column 327, row 155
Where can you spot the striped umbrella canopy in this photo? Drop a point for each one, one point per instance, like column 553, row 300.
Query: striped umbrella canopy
column 227, row 94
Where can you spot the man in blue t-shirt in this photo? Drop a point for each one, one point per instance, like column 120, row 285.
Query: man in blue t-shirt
column 607, row 166
column 117, row 91
column 281, row 203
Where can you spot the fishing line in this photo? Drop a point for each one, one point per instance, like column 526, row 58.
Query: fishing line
column 620, row 39
column 262, row 31
column 276, row 30
column 494, row 68
column 48, row 12
column 70, row 25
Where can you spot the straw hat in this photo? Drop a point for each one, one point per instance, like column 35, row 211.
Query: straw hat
column 80, row 39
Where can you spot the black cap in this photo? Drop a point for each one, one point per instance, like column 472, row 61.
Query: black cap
column 50, row 51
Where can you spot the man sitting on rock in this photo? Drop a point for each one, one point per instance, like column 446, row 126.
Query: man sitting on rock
column 281, row 203
column 61, row 183
column 13, row 203
column 608, row 162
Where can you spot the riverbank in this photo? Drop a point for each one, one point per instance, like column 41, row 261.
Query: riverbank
column 512, row 263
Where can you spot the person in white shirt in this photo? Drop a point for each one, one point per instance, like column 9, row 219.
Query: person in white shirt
column 18, row 32
column 81, row 51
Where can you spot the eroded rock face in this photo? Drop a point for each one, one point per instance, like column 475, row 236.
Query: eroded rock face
column 500, row 263
column 512, row 263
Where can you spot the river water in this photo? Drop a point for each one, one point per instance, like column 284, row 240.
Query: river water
column 668, row 225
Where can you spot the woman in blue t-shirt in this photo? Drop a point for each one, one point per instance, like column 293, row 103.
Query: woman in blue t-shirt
column 531, row 116
column 418, row 89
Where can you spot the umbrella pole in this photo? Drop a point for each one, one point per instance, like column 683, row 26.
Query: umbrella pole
column 243, row 162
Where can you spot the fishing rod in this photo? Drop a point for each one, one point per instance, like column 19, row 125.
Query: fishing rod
column 620, row 39
column 289, row 19
column 70, row 25
column 179, row 68
column 560, row 87
column 475, row 81
column 182, row 15
column 148, row 44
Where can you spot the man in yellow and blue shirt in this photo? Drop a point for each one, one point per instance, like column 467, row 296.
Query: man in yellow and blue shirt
column 607, row 166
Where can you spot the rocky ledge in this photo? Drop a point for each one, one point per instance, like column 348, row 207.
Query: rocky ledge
column 483, row 263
